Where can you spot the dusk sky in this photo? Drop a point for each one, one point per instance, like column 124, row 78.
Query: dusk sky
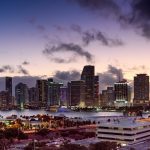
column 42, row 37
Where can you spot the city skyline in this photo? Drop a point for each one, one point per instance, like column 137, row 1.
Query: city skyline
column 60, row 37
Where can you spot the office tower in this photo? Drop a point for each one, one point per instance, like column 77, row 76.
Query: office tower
column 21, row 94
column 53, row 92
column 107, row 97
column 77, row 93
column 111, row 96
column 69, row 94
column 141, row 89
column 96, row 91
column 121, row 93
column 64, row 96
column 4, row 99
column 8, row 87
column 42, row 92
column 91, row 86
column 103, row 98
column 32, row 96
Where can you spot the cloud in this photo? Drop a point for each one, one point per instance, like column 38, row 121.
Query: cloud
column 138, row 17
column 101, row 37
column 142, row 8
column 25, row 63
column 108, row 7
column 7, row 68
column 75, row 49
column 67, row 75
column 22, row 70
column 109, row 77
column 59, row 28
column 95, row 35
column 130, row 13
column 41, row 28
column 61, row 60
column 32, row 20
column 141, row 16
column 76, row 28
column 137, row 69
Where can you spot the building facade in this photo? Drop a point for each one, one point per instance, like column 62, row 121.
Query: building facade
column 122, row 94
column 8, row 87
column 107, row 97
column 141, row 89
column 42, row 92
column 64, row 96
column 54, row 92
column 77, row 93
column 32, row 96
column 124, row 132
column 21, row 94
column 4, row 99
column 91, row 86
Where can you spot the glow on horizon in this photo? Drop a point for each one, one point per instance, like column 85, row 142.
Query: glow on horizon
column 21, row 40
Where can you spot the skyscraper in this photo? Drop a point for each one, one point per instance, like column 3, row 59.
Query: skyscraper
column 8, row 88
column 42, row 92
column 88, row 76
column 91, row 85
column 64, row 96
column 32, row 96
column 96, row 90
column 107, row 97
column 77, row 93
column 4, row 99
column 121, row 93
column 53, row 92
column 141, row 89
column 21, row 94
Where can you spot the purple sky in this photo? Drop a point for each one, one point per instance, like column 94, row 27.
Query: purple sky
column 41, row 37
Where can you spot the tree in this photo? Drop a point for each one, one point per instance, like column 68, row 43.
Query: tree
column 1, row 134
column 11, row 133
column 72, row 147
column 104, row 146
column 43, row 132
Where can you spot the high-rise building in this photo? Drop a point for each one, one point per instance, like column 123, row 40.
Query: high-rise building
column 91, row 86
column 64, row 96
column 8, row 87
column 96, row 91
column 141, row 89
column 107, row 97
column 32, row 96
column 121, row 93
column 69, row 94
column 4, row 99
column 77, row 93
column 53, row 92
column 42, row 92
column 21, row 94
column 103, row 98
column 111, row 96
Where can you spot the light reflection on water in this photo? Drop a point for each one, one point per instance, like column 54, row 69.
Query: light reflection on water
column 73, row 114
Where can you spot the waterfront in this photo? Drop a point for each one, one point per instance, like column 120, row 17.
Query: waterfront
column 84, row 115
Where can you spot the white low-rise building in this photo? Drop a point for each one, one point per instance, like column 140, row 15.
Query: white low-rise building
column 126, row 131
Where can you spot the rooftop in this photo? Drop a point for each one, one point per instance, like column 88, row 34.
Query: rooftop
column 126, row 123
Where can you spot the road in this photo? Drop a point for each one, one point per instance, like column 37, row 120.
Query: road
column 65, row 129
